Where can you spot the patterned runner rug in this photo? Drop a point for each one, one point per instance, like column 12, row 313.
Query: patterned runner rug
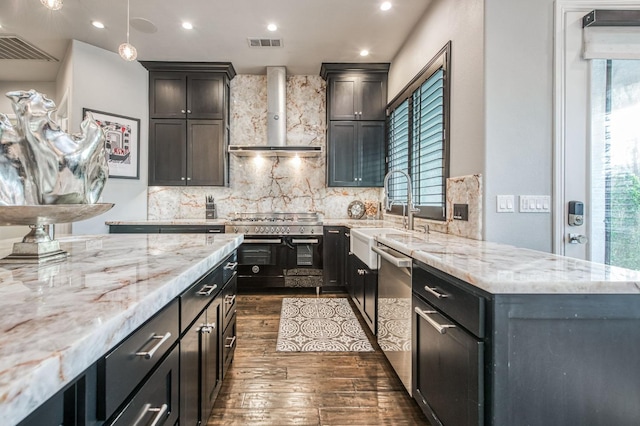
column 320, row 325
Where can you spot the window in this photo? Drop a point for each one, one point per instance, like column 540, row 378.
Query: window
column 417, row 140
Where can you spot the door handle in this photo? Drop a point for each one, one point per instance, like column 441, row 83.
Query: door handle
column 577, row 239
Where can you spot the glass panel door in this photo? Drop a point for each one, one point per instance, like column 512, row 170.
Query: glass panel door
column 615, row 163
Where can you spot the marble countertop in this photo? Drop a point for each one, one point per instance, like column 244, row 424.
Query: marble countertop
column 58, row 319
column 503, row 269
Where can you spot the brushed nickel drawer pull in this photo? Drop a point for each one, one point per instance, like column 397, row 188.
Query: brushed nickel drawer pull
column 214, row 231
column 435, row 293
column 208, row 328
column 229, row 300
column 233, row 342
column 149, row 354
column 207, row 290
column 442, row 328
column 231, row 265
column 160, row 412
column 333, row 231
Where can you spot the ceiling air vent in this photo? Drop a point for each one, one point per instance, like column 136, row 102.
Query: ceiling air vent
column 13, row 47
column 265, row 42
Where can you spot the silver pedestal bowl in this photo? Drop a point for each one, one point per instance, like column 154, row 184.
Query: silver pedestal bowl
column 37, row 246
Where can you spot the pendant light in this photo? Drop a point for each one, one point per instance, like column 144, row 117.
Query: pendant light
column 52, row 4
column 126, row 50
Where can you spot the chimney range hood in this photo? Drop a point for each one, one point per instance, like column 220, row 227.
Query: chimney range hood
column 276, row 123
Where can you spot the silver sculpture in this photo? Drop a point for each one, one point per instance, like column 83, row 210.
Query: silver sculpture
column 47, row 176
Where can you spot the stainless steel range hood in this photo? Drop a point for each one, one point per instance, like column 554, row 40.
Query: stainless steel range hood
column 276, row 123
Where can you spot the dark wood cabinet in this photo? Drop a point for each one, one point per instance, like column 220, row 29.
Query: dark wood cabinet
column 354, row 153
column 166, row 229
column 357, row 96
column 356, row 122
column 333, row 256
column 188, row 123
column 363, row 283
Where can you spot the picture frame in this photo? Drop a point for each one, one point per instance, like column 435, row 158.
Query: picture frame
column 122, row 139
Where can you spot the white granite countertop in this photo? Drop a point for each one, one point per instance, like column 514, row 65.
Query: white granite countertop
column 58, row 319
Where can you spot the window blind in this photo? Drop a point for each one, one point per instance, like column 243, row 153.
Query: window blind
column 398, row 149
column 427, row 171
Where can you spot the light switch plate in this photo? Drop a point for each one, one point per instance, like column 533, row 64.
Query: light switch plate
column 505, row 204
column 535, row 204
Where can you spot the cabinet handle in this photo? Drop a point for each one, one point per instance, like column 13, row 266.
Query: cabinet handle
column 207, row 290
column 182, row 178
column 435, row 293
column 361, row 272
column 213, row 231
column 160, row 412
column 347, row 234
column 183, row 111
column 231, row 265
column 442, row 328
column 188, row 178
column 188, row 111
column 334, row 232
column 233, row 342
column 208, row 328
column 149, row 354
column 230, row 299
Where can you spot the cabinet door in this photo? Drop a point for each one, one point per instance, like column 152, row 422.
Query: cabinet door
column 372, row 97
column 211, row 354
column 205, row 96
column 372, row 153
column 167, row 152
column 332, row 256
column 343, row 154
column 343, row 92
column 206, row 152
column 167, row 95
column 190, row 373
column 447, row 379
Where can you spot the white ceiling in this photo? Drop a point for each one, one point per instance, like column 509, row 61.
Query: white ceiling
column 312, row 31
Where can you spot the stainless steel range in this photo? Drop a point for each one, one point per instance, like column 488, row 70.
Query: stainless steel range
column 279, row 250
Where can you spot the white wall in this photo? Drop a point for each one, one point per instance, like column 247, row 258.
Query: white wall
column 461, row 22
column 519, row 116
column 102, row 81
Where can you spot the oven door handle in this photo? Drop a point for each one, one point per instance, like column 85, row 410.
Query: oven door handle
column 264, row 241
column 307, row 241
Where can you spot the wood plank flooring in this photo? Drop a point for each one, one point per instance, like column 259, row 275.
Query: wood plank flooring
column 265, row 387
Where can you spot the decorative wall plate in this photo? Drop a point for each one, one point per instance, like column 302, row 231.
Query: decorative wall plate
column 355, row 209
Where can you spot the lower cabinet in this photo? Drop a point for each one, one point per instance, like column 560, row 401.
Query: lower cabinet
column 363, row 289
column 157, row 402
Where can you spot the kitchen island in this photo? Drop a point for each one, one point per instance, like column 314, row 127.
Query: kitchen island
column 60, row 318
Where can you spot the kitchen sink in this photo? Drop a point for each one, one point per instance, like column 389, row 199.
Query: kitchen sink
column 362, row 239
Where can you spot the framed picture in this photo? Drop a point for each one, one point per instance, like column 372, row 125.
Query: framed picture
column 122, row 138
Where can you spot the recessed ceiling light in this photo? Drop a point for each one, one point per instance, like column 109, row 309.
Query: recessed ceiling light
column 97, row 24
column 385, row 6
column 52, row 4
column 187, row 25
column 364, row 52
column 272, row 27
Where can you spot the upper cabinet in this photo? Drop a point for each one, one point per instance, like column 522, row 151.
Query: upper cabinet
column 188, row 123
column 357, row 96
column 356, row 123
column 186, row 95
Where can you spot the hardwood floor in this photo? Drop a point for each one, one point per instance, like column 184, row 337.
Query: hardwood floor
column 265, row 387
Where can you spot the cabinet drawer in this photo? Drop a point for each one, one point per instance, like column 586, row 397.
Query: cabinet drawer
column 449, row 295
column 124, row 368
column 157, row 401
column 198, row 296
column 229, row 344
column 229, row 301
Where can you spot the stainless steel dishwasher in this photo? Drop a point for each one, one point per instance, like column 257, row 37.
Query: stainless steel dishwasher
column 394, row 310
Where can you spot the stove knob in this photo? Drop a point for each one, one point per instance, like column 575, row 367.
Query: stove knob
column 302, row 229
column 257, row 229
column 273, row 229
column 235, row 229
column 246, row 229
column 288, row 230
column 311, row 231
